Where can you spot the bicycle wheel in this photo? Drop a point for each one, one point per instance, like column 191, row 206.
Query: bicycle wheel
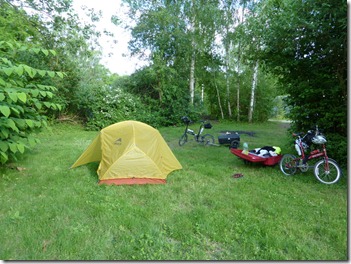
column 325, row 175
column 288, row 164
column 183, row 139
column 207, row 139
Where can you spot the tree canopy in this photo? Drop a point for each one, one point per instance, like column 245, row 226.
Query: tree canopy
column 305, row 44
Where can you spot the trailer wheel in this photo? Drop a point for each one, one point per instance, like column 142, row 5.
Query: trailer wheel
column 234, row 144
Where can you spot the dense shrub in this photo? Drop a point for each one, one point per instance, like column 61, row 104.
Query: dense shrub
column 337, row 148
column 104, row 106
column 25, row 98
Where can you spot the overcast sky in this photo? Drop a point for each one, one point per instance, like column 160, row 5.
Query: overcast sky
column 117, row 63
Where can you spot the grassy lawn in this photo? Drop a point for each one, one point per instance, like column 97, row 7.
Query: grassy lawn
column 49, row 212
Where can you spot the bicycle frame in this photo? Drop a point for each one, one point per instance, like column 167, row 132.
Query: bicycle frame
column 186, row 127
column 317, row 153
column 199, row 133
column 206, row 139
column 314, row 154
column 191, row 132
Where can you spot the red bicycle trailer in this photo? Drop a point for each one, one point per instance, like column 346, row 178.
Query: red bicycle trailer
column 251, row 157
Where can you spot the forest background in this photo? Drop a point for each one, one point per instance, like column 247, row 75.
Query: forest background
column 245, row 61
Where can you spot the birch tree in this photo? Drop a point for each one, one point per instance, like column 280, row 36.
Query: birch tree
column 193, row 53
column 219, row 99
column 253, row 89
column 228, row 23
column 233, row 18
column 239, row 66
column 180, row 30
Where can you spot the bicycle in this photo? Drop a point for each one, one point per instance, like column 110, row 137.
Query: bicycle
column 206, row 139
column 326, row 170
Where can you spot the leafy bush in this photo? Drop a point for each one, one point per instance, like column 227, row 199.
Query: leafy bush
column 161, row 94
column 24, row 98
column 337, row 148
column 103, row 106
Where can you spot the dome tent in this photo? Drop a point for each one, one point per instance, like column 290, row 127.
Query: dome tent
column 130, row 152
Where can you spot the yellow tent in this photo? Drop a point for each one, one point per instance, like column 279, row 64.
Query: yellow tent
column 130, row 152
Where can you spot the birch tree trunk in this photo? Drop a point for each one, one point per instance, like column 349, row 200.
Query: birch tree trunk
column 238, row 88
column 238, row 67
column 227, row 48
column 253, row 89
column 238, row 101
column 192, row 20
column 219, row 98
column 192, row 77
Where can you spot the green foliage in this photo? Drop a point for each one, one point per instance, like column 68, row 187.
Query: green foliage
column 24, row 99
column 55, row 24
column 173, row 32
column 267, row 90
column 265, row 93
column 280, row 109
column 302, row 42
column 337, row 148
column 312, row 61
column 305, row 44
column 152, row 95
column 161, row 90
column 103, row 106
column 16, row 25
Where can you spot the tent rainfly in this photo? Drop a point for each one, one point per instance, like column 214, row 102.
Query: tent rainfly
column 130, row 152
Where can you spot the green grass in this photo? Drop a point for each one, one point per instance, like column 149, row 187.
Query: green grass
column 51, row 212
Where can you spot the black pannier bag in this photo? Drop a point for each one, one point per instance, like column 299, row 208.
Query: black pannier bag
column 207, row 125
column 307, row 139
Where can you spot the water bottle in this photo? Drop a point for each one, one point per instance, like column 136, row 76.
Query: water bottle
column 297, row 148
column 246, row 149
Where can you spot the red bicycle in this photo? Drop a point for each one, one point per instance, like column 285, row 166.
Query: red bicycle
column 325, row 169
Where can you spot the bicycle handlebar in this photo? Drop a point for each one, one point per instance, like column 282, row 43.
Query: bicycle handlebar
column 299, row 134
column 186, row 119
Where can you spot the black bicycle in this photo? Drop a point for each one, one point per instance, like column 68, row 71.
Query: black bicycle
column 206, row 139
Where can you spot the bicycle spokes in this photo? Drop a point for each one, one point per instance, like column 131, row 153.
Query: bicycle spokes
column 288, row 164
column 327, row 171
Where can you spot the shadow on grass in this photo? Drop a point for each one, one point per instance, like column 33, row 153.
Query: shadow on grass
column 92, row 167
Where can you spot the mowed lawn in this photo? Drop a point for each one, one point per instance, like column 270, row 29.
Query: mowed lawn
column 51, row 212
